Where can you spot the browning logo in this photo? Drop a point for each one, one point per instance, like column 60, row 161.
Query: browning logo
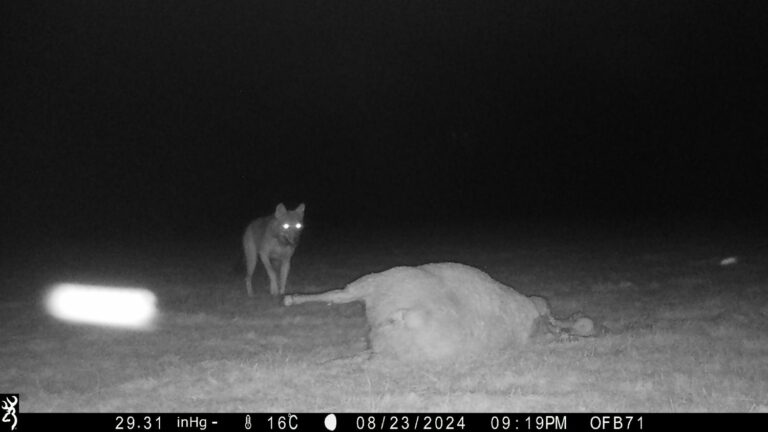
column 10, row 402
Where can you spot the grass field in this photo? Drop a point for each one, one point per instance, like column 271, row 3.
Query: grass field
column 684, row 333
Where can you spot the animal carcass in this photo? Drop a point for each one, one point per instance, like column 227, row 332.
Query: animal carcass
column 442, row 311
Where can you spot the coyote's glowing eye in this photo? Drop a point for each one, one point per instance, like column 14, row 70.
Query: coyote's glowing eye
column 298, row 226
column 286, row 226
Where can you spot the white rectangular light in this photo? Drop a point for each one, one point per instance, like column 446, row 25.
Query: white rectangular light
column 125, row 307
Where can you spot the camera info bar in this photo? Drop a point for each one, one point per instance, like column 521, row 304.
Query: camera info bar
column 364, row 422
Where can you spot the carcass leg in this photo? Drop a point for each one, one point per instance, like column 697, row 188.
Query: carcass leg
column 336, row 296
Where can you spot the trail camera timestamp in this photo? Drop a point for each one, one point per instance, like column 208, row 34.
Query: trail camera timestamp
column 410, row 422
column 528, row 423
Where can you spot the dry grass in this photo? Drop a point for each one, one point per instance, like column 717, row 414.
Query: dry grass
column 685, row 335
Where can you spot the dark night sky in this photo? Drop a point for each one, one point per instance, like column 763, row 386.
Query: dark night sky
column 194, row 116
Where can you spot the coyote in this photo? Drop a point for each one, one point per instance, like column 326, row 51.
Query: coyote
column 273, row 237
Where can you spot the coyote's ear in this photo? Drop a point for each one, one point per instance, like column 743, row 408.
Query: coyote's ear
column 300, row 209
column 280, row 211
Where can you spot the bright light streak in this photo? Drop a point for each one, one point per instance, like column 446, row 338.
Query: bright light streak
column 102, row 305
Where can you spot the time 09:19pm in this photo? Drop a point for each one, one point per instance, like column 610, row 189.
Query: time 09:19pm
column 529, row 423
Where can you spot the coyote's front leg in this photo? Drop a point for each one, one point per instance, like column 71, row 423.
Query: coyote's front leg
column 273, row 288
column 285, row 267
